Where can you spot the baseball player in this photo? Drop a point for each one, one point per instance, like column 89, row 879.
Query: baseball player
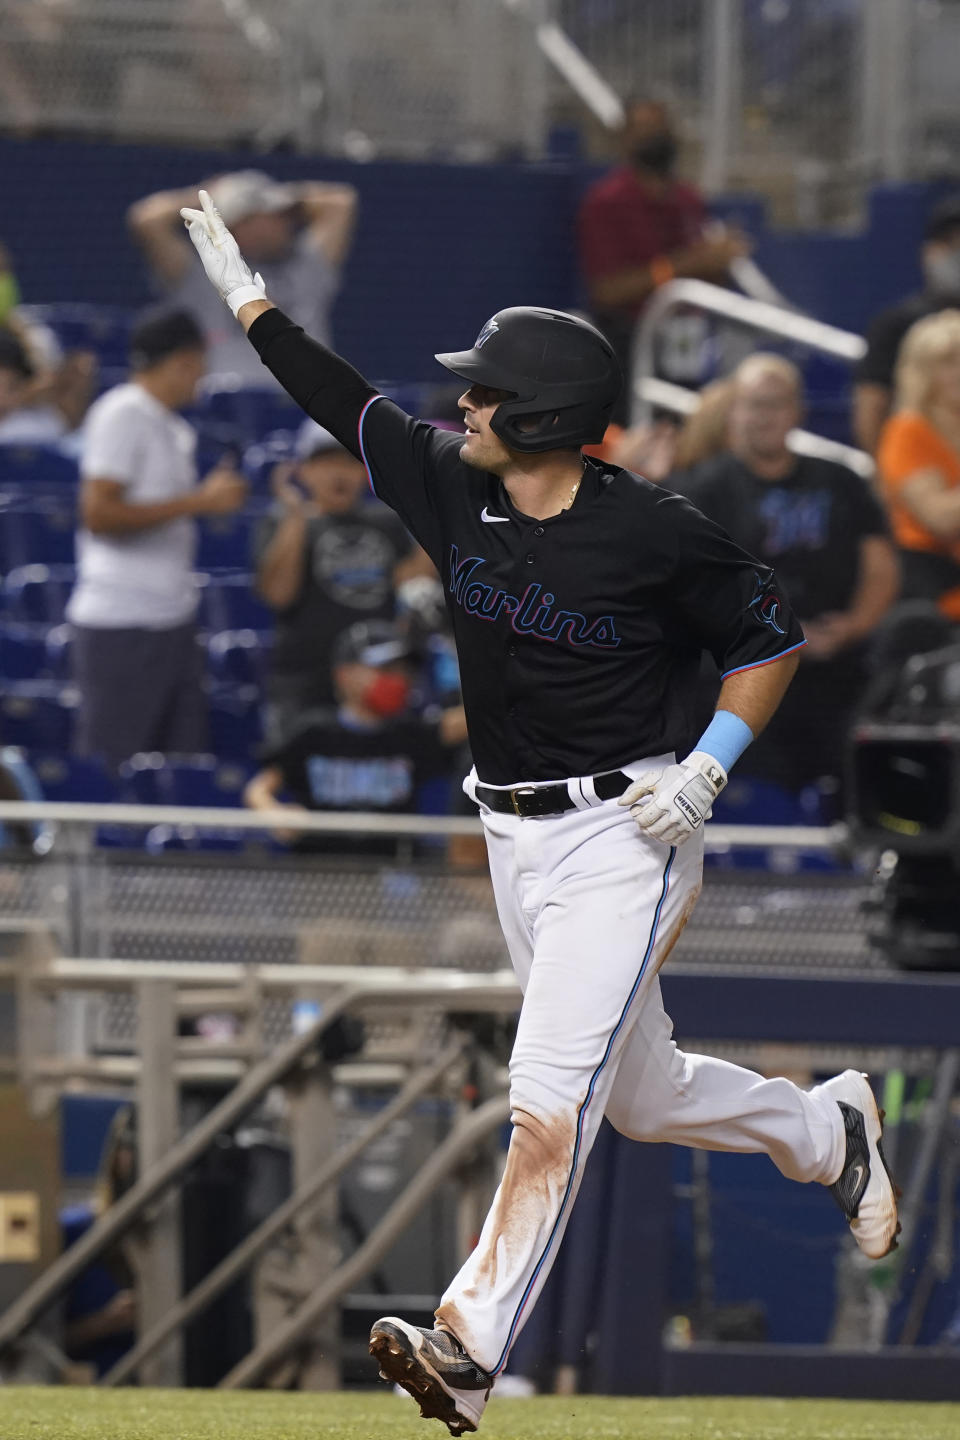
column 581, row 598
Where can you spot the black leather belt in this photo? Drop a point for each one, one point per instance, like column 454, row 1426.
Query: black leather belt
column 535, row 801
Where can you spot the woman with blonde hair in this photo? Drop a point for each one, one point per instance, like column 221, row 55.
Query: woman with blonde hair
column 918, row 461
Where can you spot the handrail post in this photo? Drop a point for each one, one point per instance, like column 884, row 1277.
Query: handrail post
column 159, row 1259
column 288, row 1275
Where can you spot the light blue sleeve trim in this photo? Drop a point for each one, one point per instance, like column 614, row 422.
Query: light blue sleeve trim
column 725, row 738
column 758, row 664
column 363, row 453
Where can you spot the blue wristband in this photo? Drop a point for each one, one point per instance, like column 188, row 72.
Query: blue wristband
column 725, row 738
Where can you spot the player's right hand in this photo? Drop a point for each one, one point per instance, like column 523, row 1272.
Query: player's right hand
column 226, row 268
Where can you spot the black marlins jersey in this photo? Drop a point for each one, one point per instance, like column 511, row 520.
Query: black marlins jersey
column 579, row 636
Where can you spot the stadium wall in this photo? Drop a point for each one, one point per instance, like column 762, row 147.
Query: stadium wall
column 438, row 248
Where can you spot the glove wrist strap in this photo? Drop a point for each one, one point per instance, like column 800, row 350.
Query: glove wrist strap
column 239, row 297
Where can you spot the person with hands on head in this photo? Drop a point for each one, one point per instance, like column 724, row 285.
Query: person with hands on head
column 133, row 608
column 581, row 597
column 299, row 233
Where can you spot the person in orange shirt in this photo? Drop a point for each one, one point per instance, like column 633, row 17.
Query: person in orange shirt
column 918, row 461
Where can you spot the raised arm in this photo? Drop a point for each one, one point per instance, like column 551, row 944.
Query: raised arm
column 153, row 224
column 323, row 384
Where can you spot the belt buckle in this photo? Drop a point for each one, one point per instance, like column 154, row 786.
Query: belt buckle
column 520, row 790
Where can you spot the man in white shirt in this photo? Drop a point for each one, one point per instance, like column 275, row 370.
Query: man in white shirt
column 297, row 235
column 133, row 608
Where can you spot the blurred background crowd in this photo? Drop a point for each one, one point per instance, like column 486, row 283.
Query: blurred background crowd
column 201, row 601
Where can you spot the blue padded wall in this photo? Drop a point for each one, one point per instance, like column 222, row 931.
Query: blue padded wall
column 438, row 248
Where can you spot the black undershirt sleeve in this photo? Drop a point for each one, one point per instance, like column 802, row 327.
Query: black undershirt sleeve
column 323, row 384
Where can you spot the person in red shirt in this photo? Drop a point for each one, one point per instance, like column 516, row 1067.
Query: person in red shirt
column 639, row 227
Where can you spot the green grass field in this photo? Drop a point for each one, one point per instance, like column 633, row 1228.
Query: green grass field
column 68, row 1414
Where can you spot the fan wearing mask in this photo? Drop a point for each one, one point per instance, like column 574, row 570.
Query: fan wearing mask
column 371, row 753
column 638, row 227
column 875, row 381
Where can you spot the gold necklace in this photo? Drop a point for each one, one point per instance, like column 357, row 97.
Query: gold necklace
column 573, row 492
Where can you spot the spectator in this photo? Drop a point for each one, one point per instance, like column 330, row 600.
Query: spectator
column 298, row 236
column 662, row 448
column 134, row 649
column 326, row 561
column 919, row 461
column 820, row 524
column 22, row 421
column 639, row 227
column 369, row 753
column 940, row 262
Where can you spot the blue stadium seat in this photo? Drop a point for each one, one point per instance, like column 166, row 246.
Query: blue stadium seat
column 74, row 778
column 37, row 467
column 36, row 530
column 58, row 641
column 104, row 329
column 38, row 592
column 235, row 728
column 228, row 601
column 38, row 714
column 226, row 542
column 261, row 459
column 164, row 839
column 245, row 414
column 23, row 651
column 239, row 657
column 205, row 780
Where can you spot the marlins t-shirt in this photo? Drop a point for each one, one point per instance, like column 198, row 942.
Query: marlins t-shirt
column 338, row 764
column 347, row 576
column 809, row 524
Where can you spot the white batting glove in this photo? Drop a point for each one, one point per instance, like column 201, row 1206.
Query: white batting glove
column 672, row 804
column 226, row 268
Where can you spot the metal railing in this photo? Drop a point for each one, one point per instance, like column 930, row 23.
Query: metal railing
column 165, row 992
column 82, row 817
column 752, row 314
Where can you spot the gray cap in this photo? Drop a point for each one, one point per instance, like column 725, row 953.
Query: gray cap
column 249, row 192
column 312, row 439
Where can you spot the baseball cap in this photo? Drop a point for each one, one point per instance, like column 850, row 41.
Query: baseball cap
column 372, row 642
column 944, row 219
column 249, row 192
column 160, row 332
column 312, row 440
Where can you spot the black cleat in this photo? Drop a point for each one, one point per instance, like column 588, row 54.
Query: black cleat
column 433, row 1367
column 864, row 1189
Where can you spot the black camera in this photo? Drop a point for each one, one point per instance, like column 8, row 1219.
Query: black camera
column 904, row 796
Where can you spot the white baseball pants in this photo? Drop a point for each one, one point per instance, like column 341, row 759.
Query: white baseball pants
column 590, row 909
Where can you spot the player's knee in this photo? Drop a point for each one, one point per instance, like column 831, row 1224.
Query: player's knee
column 542, row 1139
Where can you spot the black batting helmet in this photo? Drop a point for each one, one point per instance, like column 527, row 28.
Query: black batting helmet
column 553, row 365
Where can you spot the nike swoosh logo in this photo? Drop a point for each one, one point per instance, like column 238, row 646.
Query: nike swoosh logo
column 858, row 1173
column 493, row 519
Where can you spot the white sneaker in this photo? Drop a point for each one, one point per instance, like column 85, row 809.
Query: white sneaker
column 864, row 1190
column 433, row 1367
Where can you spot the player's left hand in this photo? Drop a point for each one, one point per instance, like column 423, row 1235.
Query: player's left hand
column 226, row 268
column 670, row 805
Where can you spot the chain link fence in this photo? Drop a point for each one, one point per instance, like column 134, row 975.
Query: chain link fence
column 807, row 101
